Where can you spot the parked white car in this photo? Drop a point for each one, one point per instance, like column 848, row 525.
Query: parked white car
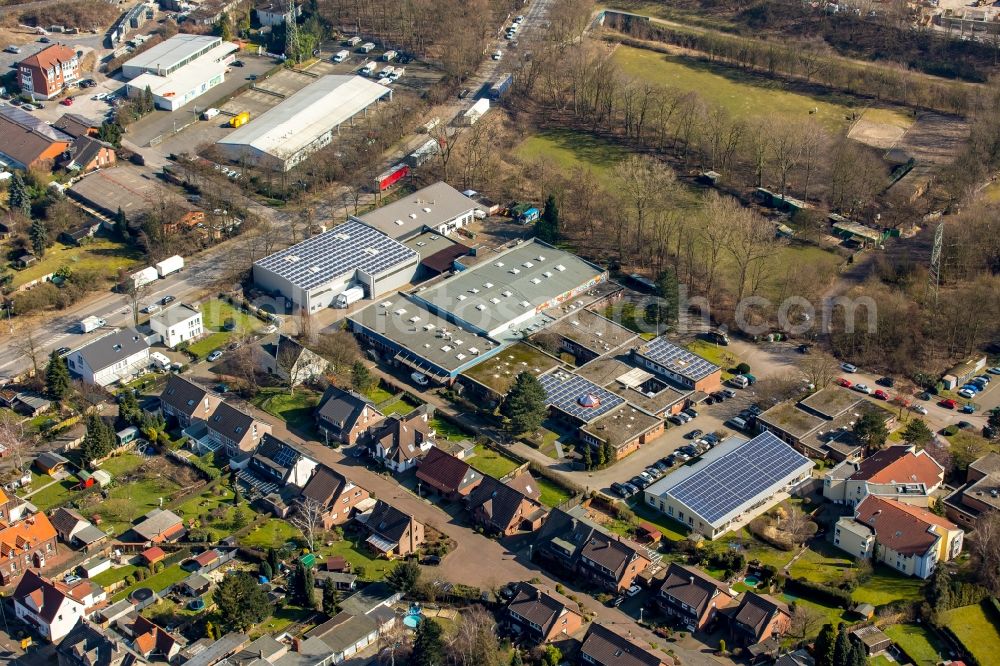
column 863, row 388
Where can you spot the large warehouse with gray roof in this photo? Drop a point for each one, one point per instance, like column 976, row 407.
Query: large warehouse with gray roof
column 303, row 123
column 311, row 274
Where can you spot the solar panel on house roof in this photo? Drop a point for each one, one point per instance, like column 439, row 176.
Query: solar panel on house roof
column 575, row 395
column 677, row 359
column 345, row 248
column 737, row 477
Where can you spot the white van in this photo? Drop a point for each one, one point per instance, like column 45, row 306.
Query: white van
column 738, row 423
column 341, row 56
column 368, row 69
column 397, row 73
column 739, row 381
column 209, row 114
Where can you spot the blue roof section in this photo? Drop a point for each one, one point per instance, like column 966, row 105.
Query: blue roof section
column 575, row 395
column 677, row 359
column 345, row 248
column 738, row 475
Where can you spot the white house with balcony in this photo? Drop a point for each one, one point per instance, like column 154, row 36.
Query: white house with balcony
column 181, row 323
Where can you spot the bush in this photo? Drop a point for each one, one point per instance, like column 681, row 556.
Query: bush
column 742, row 368
column 818, row 592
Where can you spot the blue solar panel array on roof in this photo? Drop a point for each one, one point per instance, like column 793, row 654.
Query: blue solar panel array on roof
column 345, row 248
column 724, row 484
column 578, row 396
column 677, row 359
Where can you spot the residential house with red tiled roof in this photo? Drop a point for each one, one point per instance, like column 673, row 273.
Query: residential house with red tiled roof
column 910, row 539
column 151, row 641
column 338, row 495
column 506, row 508
column 46, row 606
column 899, row 472
column 757, row 618
column 46, row 74
column 692, row 596
column 448, row 475
column 25, row 545
column 604, row 647
column 541, row 615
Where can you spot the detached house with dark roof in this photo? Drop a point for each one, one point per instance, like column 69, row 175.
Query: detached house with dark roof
column 897, row 472
column 86, row 645
column 506, row 508
column 75, row 530
column 46, row 74
column 338, row 495
column 757, row 618
column 111, row 358
column 186, row 402
column 392, row 533
column 158, row 526
column 448, row 475
column 289, row 360
column 579, row 547
column 541, row 615
column 46, row 606
column 603, row 647
column 86, row 154
column 76, row 125
column 692, row 597
column 401, row 441
column 910, row 539
column 344, row 416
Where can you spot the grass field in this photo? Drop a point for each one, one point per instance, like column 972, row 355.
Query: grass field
column 448, row 431
column 54, row 495
column 100, row 254
column 978, row 634
column 919, row 644
column 214, row 313
column 127, row 502
column 112, row 576
column 742, row 95
column 825, row 564
column 272, row 534
column 157, row 582
column 491, row 462
column 402, row 406
column 552, row 494
column 571, row 150
column 720, row 356
column 295, row 410
column 359, row 558
column 122, row 464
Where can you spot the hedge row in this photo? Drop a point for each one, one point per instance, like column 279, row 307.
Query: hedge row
column 819, row 592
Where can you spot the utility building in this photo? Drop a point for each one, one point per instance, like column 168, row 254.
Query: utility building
column 179, row 69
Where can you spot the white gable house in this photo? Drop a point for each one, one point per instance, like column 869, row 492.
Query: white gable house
column 111, row 358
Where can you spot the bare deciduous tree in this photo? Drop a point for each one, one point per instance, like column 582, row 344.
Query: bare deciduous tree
column 750, row 243
column 805, row 622
column 308, row 517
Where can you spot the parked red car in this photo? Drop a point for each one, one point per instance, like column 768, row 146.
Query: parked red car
column 843, row 382
column 881, row 395
column 67, row 102
column 948, row 403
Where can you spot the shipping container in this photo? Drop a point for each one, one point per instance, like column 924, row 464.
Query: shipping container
column 477, row 111
column 170, row 265
column 528, row 216
column 502, row 85
column 389, row 178
column 426, row 151
column 353, row 41
column 240, row 119
column 140, row 278
column 90, row 324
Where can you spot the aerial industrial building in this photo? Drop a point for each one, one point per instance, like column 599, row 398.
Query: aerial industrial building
column 311, row 274
column 179, row 69
column 439, row 208
column 303, row 123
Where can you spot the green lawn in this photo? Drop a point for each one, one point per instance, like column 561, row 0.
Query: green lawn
column 218, row 508
column 112, row 576
column 717, row 354
column 743, row 95
column 552, row 494
column 282, row 618
column 491, row 462
column 157, row 582
column 448, row 431
column 215, row 312
column 822, row 564
column 825, row 564
column 272, row 534
column 569, row 150
column 978, row 634
column 669, row 528
column 128, row 501
column 886, row 586
column 296, row 410
column 99, row 254
column 122, row 464
column 401, row 407
column 55, row 495
column 918, row 643
column 831, row 614
column 359, row 557
column 378, row 395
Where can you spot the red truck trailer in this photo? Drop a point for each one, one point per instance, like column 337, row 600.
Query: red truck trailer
column 389, row 178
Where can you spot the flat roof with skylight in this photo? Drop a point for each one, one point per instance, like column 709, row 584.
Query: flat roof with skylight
column 430, row 207
column 419, row 336
column 499, row 371
column 346, row 248
column 591, row 331
column 649, row 392
column 513, row 287
column 171, row 54
column 622, row 425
